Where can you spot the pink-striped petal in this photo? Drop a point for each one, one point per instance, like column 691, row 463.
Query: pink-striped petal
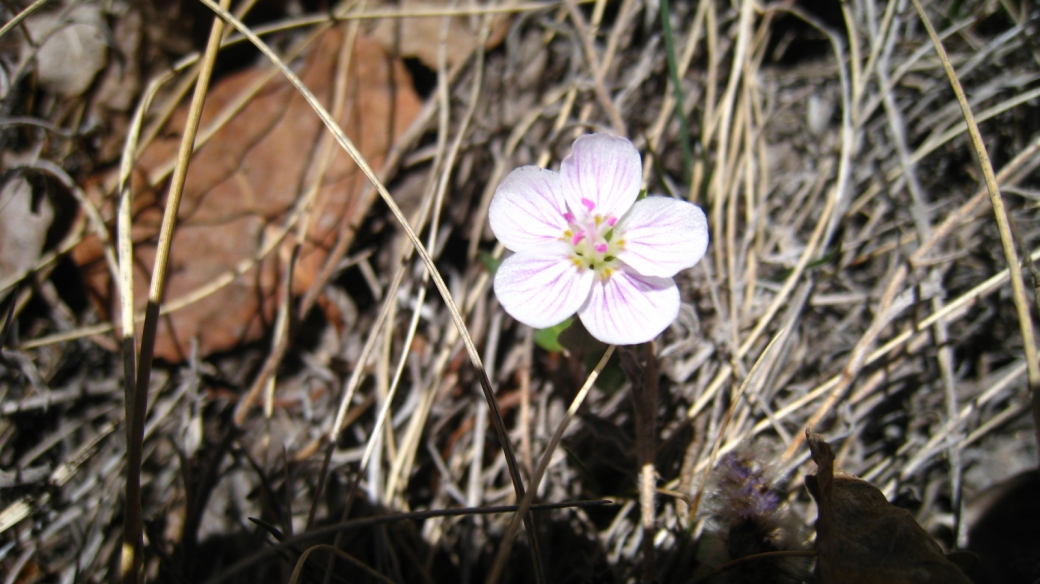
column 528, row 208
column 601, row 175
column 628, row 308
column 543, row 289
column 662, row 235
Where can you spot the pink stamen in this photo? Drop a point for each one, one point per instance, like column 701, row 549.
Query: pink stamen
column 569, row 218
column 612, row 221
column 588, row 204
column 601, row 248
column 577, row 237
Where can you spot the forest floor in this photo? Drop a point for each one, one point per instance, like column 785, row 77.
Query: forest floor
column 311, row 383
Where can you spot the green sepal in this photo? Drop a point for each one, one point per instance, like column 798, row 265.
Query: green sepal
column 549, row 338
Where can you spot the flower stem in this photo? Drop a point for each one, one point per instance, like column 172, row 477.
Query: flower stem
column 640, row 366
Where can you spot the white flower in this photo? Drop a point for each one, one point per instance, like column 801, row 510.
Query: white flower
column 584, row 244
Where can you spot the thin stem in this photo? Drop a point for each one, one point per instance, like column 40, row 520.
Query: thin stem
column 131, row 560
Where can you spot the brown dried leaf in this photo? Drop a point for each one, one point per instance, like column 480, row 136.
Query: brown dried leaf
column 242, row 183
column 861, row 538
column 420, row 36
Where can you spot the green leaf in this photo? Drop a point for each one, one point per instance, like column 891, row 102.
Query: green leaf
column 612, row 377
column 642, row 195
column 831, row 257
column 549, row 338
column 489, row 262
column 673, row 74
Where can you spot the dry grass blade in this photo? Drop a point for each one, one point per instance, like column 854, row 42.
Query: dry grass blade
column 505, row 547
column 21, row 16
column 124, row 241
column 456, row 316
column 435, row 12
column 948, row 312
column 735, row 400
column 181, row 90
column 5, row 328
column 290, row 543
column 15, row 512
column 1018, row 287
column 848, row 139
column 131, row 560
column 359, row 371
column 387, row 397
column 302, row 562
column 304, row 207
column 597, row 68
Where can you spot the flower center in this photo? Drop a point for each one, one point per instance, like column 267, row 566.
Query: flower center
column 595, row 243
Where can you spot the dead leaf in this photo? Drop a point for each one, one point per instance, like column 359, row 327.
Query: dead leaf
column 242, row 183
column 1004, row 524
column 861, row 538
column 420, row 36
column 72, row 48
column 23, row 227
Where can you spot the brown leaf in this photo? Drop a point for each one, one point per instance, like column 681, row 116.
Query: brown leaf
column 420, row 36
column 861, row 538
column 242, row 183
